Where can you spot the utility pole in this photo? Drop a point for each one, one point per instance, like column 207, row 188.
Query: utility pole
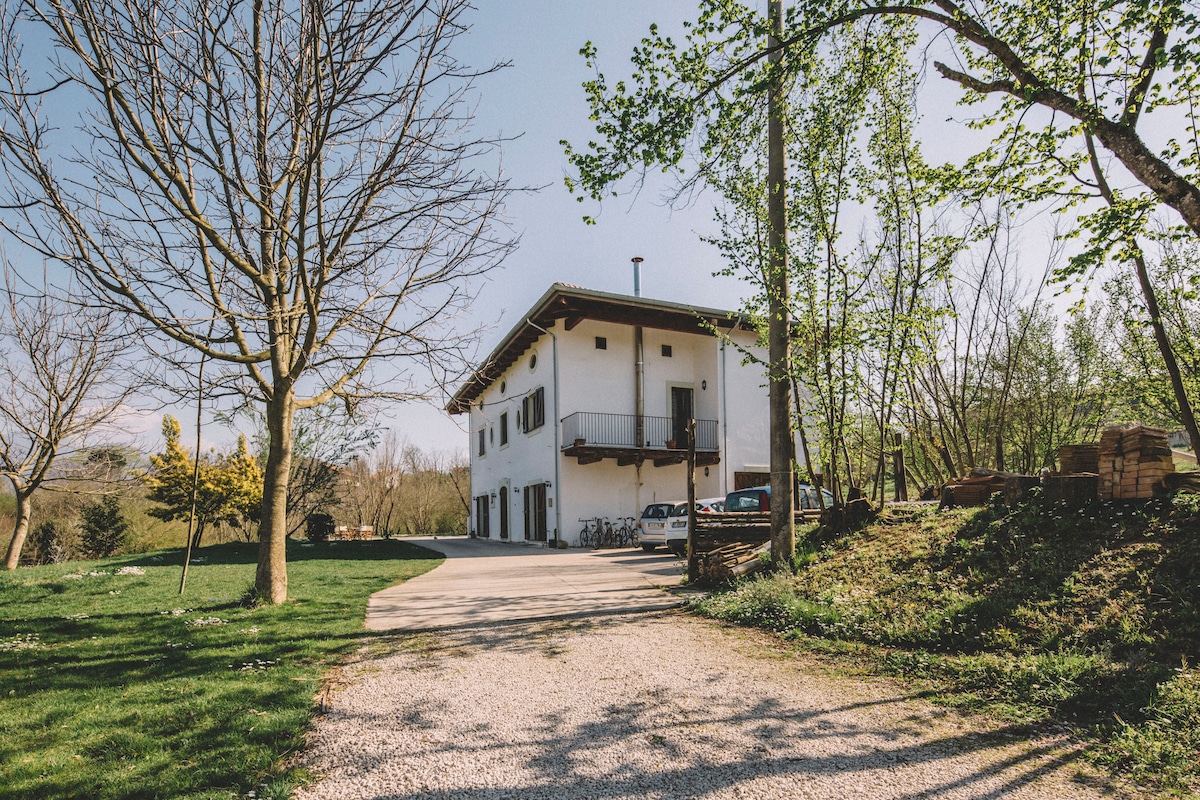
column 783, row 536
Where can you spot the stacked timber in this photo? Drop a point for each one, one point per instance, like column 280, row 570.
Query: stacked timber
column 1074, row 459
column 1018, row 487
column 1075, row 491
column 1187, row 481
column 732, row 561
column 973, row 490
column 1133, row 462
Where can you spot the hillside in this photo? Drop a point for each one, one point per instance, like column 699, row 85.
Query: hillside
column 1089, row 619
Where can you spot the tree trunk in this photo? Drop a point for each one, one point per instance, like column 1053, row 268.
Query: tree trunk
column 783, row 537
column 20, row 531
column 270, row 580
column 1167, row 350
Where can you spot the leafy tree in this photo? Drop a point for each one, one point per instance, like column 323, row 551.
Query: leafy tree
column 228, row 489
column 1136, row 370
column 103, row 527
column 1067, row 88
column 290, row 190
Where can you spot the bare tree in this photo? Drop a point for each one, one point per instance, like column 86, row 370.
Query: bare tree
column 401, row 488
column 290, row 189
column 62, row 380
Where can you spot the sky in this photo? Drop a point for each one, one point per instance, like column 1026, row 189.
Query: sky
column 539, row 100
column 540, row 97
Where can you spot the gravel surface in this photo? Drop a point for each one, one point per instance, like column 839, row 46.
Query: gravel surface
column 659, row 705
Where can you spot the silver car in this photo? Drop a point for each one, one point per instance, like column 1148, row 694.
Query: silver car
column 652, row 527
column 677, row 525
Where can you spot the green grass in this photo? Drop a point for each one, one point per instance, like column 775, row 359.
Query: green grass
column 1038, row 614
column 115, row 686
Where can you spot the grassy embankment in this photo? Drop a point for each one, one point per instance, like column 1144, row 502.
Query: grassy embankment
column 115, row 686
column 1089, row 619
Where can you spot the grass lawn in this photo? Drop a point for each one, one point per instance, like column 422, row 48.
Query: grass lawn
column 112, row 685
column 1084, row 618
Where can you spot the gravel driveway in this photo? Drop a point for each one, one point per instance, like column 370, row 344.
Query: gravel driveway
column 656, row 704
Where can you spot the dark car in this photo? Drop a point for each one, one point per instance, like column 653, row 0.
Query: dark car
column 758, row 498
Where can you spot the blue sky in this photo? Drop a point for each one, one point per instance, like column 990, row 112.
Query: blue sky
column 540, row 97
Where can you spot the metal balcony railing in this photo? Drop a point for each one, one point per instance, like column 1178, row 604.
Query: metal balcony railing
column 620, row 430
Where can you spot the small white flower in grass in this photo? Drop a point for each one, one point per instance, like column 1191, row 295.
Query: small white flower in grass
column 251, row 631
column 76, row 616
column 21, row 641
column 74, row 576
column 117, row 591
column 131, row 571
column 203, row 621
column 175, row 612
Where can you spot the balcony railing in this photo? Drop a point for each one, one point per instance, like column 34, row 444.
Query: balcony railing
column 620, row 430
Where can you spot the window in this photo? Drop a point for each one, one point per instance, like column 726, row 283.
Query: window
column 504, row 429
column 482, row 441
column 601, row 343
column 666, row 351
column 533, row 407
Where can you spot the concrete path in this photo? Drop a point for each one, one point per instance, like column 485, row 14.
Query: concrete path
column 484, row 582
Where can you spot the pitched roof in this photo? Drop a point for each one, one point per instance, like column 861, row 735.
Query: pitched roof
column 573, row 304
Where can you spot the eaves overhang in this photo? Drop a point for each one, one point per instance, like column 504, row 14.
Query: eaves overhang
column 570, row 305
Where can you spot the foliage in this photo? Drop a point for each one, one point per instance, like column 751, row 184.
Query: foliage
column 115, row 687
column 319, row 527
column 1137, row 372
column 103, row 528
column 228, row 487
column 401, row 489
column 326, row 442
column 1062, row 88
column 52, row 542
column 1040, row 612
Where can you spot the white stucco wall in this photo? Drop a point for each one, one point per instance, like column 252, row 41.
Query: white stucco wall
column 604, row 381
column 528, row 458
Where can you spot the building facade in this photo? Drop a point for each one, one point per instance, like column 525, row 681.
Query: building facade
column 581, row 412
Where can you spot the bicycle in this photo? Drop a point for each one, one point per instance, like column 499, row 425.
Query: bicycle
column 587, row 535
column 629, row 526
column 605, row 533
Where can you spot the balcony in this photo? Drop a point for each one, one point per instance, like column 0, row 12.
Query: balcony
column 591, row 437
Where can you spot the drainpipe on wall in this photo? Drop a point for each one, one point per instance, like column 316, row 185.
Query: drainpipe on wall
column 557, row 434
column 639, row 361
column 724, row 423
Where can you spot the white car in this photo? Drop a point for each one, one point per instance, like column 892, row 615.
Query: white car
column 652, row 527
column 677, row 525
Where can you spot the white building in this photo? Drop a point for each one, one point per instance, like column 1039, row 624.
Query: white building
column 568, row 423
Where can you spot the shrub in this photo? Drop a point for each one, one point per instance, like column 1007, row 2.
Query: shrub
column 318, row 527
column 52, row 542
column 103, row 526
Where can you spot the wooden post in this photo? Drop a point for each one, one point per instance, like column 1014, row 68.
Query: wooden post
column 693, row 562
column 900, row 483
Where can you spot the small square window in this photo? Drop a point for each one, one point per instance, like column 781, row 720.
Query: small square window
column 666, row 351
column 601, row 343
